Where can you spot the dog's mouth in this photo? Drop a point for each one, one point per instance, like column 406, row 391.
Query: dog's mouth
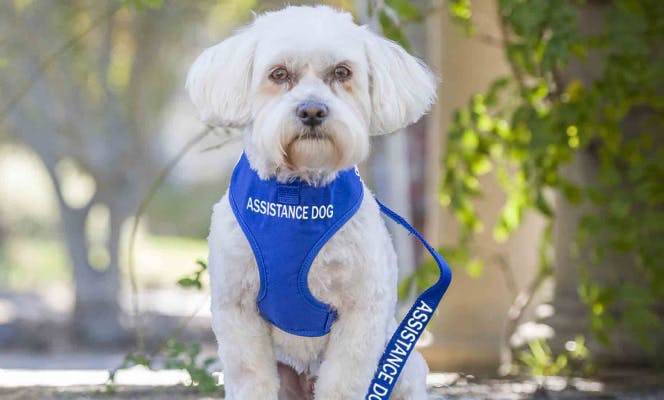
column 313, row 134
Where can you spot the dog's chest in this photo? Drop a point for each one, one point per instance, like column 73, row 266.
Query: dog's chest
column 357, row 258
column 336, row 273
column 337, row 277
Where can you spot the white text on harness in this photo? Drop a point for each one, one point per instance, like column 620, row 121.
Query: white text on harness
column 290, row 211
column 398, row 354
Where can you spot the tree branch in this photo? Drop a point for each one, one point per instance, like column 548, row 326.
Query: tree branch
column 156, row 184
column 514, row 315
column 523, row 300
column 508, row 274
column 50, row 59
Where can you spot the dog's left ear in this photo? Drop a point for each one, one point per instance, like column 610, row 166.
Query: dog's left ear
column 402, row 87
column 219, row 81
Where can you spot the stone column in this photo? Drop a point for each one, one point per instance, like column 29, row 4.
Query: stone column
column 469, row 328
column 571, row 314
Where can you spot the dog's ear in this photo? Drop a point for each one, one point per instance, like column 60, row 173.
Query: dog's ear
column 402, row 87
column 219, row 81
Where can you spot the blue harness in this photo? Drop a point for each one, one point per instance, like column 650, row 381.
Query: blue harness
column 286, row 225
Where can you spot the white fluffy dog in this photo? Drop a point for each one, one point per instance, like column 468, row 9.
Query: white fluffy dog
column 360, row 85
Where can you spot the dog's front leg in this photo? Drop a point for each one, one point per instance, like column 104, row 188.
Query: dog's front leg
column 245, row 349
column 356, row 341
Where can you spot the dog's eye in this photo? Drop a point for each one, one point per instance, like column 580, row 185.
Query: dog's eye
column 341, row 73
column 279, row 74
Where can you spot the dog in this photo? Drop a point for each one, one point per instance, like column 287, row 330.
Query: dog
column 309, row 87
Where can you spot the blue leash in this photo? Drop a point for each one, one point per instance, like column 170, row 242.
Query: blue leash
column 412, row 326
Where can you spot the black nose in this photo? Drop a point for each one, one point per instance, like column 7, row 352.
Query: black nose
column 312, row 113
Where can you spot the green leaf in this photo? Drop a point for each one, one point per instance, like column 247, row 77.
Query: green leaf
column 461, row 13
column 189, row 282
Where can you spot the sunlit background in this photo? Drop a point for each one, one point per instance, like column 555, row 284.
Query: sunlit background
column 538, row 174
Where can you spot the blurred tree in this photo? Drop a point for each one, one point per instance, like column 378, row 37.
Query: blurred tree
column 91, row 117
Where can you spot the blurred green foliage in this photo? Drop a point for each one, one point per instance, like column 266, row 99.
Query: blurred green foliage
column 141, row 5
column 394, row 15
column 186, row 357
column 530, row 125
column 539, row 359
column 461, row 12
column 193, row 220
column 35, row 262
column 173, row 353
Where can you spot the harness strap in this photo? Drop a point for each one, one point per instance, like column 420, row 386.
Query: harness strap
column 412, row 326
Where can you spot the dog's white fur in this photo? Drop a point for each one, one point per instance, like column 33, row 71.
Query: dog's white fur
column 356, row 270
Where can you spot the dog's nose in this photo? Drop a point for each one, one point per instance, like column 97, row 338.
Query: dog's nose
column 312, row 113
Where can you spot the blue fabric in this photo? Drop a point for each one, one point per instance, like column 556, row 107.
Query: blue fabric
column 287, row 225
column 412, row 326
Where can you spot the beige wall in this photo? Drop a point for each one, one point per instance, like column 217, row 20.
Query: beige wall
column 468, row 330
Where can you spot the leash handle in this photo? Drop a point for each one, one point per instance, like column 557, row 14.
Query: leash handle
column 412, row 326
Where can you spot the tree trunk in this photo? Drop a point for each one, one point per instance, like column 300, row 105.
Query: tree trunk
column 96, row 319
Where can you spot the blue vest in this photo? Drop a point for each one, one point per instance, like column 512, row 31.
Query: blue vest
column 287, row 224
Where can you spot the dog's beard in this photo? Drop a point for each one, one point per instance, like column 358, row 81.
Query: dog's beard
column 313, row 149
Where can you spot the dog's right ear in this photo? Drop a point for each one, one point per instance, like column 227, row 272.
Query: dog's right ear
column 219, row 81
column 402, row 87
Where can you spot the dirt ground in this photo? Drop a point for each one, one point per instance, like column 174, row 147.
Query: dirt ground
column 99, row 393
column 632, row 387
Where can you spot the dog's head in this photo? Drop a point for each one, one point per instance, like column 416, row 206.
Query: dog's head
column 310, row 87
